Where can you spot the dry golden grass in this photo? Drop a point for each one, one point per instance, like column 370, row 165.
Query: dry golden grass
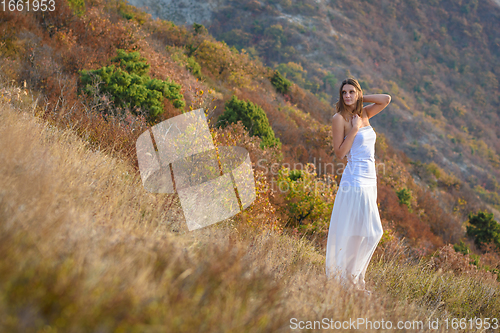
column 84, row 248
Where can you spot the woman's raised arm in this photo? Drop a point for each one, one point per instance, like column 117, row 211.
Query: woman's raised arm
column 380, row 102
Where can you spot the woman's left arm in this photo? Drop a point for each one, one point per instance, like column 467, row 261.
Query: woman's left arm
column 380, row 102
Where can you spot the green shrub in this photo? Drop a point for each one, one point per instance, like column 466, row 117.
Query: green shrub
column 78, row 6
column 298, row 75
column 295, row 175
column 308, row 199
column 461, row 248
column 130, row 12
column 434, row 169
column 194, row 67
column 488, row 196
column 224, row 65
column 404, row 196
column 364, row 85
column 199, row 28
column 483, row 228
column 181, row 57
column 281, row 84
column 253, row 118
column 129, row 86
column 465, row 250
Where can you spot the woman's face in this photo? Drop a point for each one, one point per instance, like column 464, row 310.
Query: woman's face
column 349, row 94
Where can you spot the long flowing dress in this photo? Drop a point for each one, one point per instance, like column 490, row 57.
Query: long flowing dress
column 355, row 227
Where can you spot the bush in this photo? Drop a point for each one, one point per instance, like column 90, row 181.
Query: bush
column 483, row 229
column 261, row 212
column 331, row 81
column 180, row 56
column 130, row 12
column 78, row 6
column 297, row 74
column 219, row 62
column 461, row 247
column 199, row 28
column 404, row 196
column 281, row 84
column 253, row 118
column 488, row 196
column 194, row 67
column 308, row 199
column 129, row 86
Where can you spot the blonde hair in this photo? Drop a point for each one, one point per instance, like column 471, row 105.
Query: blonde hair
column 342, row 108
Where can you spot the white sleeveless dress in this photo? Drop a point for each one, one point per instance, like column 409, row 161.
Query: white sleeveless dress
column 355, row 227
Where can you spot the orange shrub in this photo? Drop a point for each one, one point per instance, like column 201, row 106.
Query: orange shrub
column 448, row 259
column 406, row 224
column 261, row 213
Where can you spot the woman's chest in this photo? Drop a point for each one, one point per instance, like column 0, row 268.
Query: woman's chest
column 348, row 126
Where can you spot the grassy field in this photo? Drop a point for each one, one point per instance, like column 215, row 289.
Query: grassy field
column 84, row 248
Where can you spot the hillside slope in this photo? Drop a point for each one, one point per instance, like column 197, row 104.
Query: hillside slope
column 439, row 60
column 85, row 248
column 420, row 203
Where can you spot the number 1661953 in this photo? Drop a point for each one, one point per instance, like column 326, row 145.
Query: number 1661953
column 28, row 5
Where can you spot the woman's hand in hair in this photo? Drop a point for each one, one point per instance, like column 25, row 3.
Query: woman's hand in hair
column 356, row 121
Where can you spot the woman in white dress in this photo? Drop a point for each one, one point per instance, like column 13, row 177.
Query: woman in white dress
column 355, row 227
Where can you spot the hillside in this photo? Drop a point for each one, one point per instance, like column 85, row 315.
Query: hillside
column 439, row 60
column 85, row 248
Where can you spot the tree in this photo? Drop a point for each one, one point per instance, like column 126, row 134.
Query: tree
column 281, row 84
column 253, row 118
column 199, row 28
column 483, row 229
column 330, row 81
column 129, row 86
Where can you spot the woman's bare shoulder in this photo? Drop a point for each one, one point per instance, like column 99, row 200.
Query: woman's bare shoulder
column 338, row 124
column 337, row 118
